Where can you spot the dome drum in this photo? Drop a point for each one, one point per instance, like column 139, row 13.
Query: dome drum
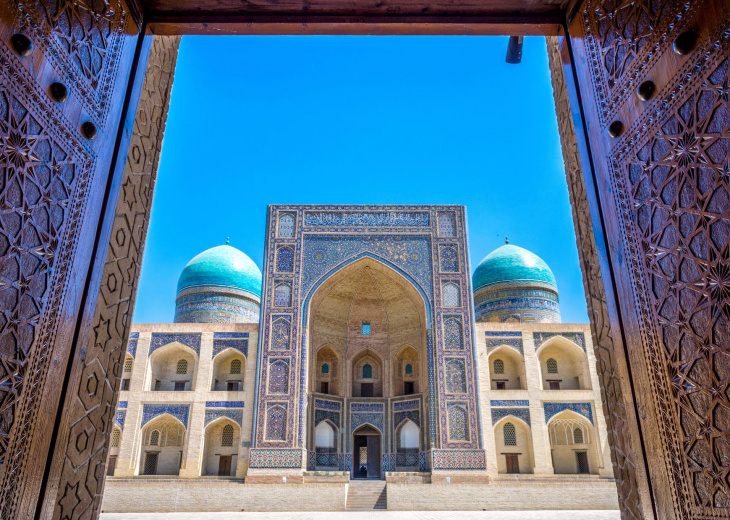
column 204, row 304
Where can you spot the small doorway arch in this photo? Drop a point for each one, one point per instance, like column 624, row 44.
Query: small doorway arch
column 366, row 453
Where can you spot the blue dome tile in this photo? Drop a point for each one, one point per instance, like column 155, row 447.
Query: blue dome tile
column 512, row 263
column 222, row 266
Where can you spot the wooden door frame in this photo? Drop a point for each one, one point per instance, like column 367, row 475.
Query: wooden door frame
column 629, row 458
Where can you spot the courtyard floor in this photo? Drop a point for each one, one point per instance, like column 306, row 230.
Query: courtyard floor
column 380, row 515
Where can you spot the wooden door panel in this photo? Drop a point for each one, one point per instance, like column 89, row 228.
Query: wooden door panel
column 54, row 181
column 664, row 188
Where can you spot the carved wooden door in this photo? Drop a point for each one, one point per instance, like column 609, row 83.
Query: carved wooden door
column 662, row 176
column 65, row 67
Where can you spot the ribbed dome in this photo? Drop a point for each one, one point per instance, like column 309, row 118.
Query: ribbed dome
column 222, row 266
column 512, row 263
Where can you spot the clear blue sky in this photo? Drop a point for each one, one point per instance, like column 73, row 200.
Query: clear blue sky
column 358, row 120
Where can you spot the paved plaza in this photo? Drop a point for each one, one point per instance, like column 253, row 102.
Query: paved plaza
column 380, row 515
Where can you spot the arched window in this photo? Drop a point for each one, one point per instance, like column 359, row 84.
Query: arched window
column 182, row 366
column 367, row 371
column 155, row 438
column 578, row 436
column 510, row 435
column 552, row 366
column 227, row 437
column 325, row 368
column 498, row 366
column 116, row 435
column 447, row 228
column 128, row 365
column 286, row 225
column 455, row 377
column 409, row 369
column 236, row 366
column 324, row 435
column 282, row 295
column 409, row 435
column 450, row 295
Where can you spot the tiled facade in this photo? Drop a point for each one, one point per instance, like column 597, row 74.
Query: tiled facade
column 485, row 399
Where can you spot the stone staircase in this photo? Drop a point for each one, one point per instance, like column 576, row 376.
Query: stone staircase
column 366, row 495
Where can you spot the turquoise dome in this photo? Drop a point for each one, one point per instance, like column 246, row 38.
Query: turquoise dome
column 512, row 263
column 222, row 266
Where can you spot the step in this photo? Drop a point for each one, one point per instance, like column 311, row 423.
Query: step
column 366, row 495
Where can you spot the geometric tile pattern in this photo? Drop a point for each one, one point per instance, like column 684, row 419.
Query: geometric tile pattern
column 122, row 404
column 276, row 423
column 521, row 413
column 224, row 404
column 271, row 458
column 493, row 344
column 413, row 404
column 119, row 418
column 505, row 333
column 219, row 345
column 229, row 335
column 458, row 423
column 507, row 402
column 191, row 340
column 413, row 415
column 367, row 218
column 358, row 419
column 180, row 411
column 576, row 337
column 453, row 335
column 459, row 459
column 132, row 347
column 234, row 415
column 554, row 408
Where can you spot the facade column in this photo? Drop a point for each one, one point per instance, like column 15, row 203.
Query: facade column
column 540, row 438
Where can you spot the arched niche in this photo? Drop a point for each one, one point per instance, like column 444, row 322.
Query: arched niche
column 573, row 444
column 513, row 443
column 367, row 291
column 406, row 371
column 506, row 369
column 327, row 371
column 367, row 374
column 325, row 445
column 563, row 365
column 162, row 444
column 220, row 452
column 229, row 367
column 408, row 446
column 114, row 444
column 165, row 368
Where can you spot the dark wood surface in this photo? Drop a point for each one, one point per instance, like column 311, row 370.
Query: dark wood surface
column 55, row 184
column 664, row 197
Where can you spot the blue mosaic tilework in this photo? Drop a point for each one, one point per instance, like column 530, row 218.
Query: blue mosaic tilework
column 321, row 415
column 234, row 415
column 229, row 335
column 324, row 252
column 453, row 333
column 455, row 376
column 132, row 347
column 358, row 419
column 287, row 226
column 583, row 409
column 327, row 460
column 122, row 404
column 413, row 415
column 119, row 419
column 345, row 461
column 505, row 333
column 459, row 459
column 224, row 404
column 160, row 340
column 422, row 465
column 276, row 423
column 509, row 402
column 458, row 423
column 280, row 332
column 272, row 458
column 282, row 295
column 210, row 307
column 449, row 259
column 278, row 377
column 388, row 462
column 219, row 345
column 327, row 405
column 407, row 405
column 576, row 337
column 311, row 460
column 285, row 259
column 367, row 218
column 180, row 411
column 407, row 459
column 493, row 344
column 366, row 407
column 521, row 413
column 134, row 335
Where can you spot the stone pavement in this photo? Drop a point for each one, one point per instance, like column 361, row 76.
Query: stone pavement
column 379, row 515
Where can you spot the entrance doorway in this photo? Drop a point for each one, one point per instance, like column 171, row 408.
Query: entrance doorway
column 366, row 453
